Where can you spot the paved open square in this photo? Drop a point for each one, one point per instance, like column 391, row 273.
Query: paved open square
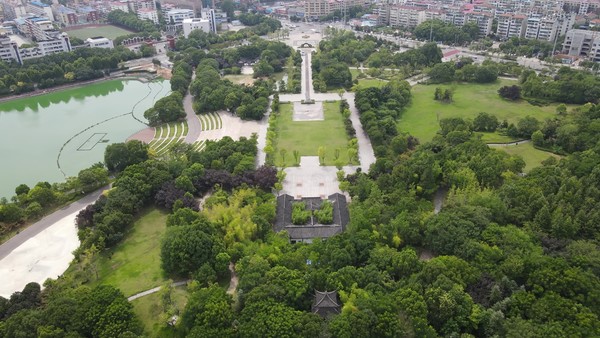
column 310, row 179
column 308, row 112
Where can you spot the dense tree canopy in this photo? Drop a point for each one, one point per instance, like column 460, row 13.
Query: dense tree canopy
column 437, row 30
column 61, row 68
column 507, row 254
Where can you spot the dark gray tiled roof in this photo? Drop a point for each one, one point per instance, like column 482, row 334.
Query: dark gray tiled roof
column 341, row 217
column 326, row 303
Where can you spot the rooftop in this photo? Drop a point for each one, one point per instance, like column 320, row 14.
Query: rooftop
column 179, row 10
column 341, row 217
column 326, row 303
column 38, row 4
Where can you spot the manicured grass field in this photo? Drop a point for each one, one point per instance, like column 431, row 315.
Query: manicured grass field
column 496, row 138
column 167, row 135
column 354, row 73
column 532, row 157
column 371, row 82
column 107, row 31
column 421, row 118
column 279, row 75
column 246, row 79
column 149, row 310
column 134, row 265
column 308, row 136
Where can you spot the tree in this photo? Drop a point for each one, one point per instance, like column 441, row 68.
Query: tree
column 92, row 178
column 228, row 6
column 325, row 213
column 486, row 74
column 272, row 319
column 510, row 92
column 321, row 153
column 442, row 72
column 209, row 309
column 185, row 248
column 21, row 189
column 561, row 109
column 537, row 138
column 448, row 94
column 11, row 213
column 41, row 194
column 167, row 109
column 282, row 152
column 297, row 156
column 527, row 126
column 485, row 122
column 118, row 156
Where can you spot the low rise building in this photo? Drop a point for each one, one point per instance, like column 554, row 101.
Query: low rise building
column 38, row 28
column 136, row 5
column 41, row 9
column 583, row 43
column 99, row 42
column 9, row 51
column 214, row 18
column 148, row 14
column 13, row 9
column 175, row 17
column 120, row 6
column 66, row 16
column 190, row 25
column 57, row 45
column 87, row 14
column 306, row 233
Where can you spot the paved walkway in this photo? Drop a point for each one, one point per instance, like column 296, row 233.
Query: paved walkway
column 47, row 221
column 261, row 156
column 153, row 290
column 43, row 250
column 515, row 143
column 194, row 126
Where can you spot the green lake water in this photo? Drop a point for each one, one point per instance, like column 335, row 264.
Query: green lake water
column 82, row 121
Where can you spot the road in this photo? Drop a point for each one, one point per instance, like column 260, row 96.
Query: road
column 47, row 221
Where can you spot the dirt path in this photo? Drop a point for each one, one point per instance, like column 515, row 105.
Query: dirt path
column 233, row 282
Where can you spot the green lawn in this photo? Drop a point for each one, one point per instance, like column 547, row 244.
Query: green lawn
column 240, row 79
column 354, row 73
column 370, row 82
column 134, row 265
column 496, row 138
column 107, row 31
column 279, row 76
column 533, row 157
column 421, row 118
column 149, row 310
column 307, row 137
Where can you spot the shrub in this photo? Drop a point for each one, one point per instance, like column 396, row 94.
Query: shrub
column 300, row 215
column 510, row 92
column 325, row 213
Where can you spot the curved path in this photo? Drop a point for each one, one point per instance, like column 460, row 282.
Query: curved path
column 233, row 282
column 47, row 221
column 194, row 126
column 153, row 290
column 515, row 143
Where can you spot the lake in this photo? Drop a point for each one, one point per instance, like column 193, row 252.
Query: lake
column 52, row 136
